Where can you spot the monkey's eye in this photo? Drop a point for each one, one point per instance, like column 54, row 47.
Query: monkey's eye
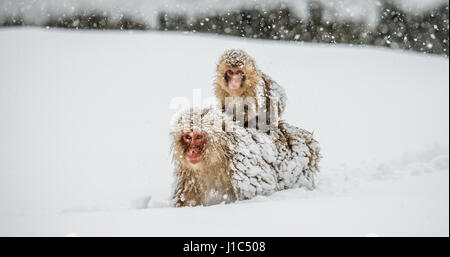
column 229, row 72
column 199, row 137
column 240, row 72
column 188, row 137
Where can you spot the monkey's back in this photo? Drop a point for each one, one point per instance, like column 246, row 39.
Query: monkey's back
column 263, row 164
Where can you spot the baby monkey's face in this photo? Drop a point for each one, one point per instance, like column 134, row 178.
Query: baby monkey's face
column 234, row 77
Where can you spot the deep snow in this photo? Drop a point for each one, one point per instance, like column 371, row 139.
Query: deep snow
column 85, row 119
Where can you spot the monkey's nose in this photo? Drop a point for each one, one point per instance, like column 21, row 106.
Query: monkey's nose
column 235, row 84
column 194, row 150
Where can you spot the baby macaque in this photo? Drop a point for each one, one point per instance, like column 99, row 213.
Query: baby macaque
column 246, row 94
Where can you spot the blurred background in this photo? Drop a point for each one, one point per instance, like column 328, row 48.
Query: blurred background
column 417, row 25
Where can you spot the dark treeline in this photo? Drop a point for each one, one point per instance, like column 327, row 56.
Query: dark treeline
column 426, row 32
column 85, row 20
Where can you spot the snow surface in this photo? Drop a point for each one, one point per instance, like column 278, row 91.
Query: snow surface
column 84, row 136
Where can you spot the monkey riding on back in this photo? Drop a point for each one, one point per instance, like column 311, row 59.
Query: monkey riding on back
column 240, row 149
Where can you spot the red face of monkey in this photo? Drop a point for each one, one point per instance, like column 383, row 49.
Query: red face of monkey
column 234, row 77
column 194, row 142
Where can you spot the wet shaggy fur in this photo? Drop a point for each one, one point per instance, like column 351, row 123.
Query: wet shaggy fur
column 240, row 163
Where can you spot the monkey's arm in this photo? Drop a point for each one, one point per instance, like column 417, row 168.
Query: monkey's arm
column 274, row 94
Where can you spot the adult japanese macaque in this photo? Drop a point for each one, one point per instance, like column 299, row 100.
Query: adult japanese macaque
column 245, row 93
column 215, row 165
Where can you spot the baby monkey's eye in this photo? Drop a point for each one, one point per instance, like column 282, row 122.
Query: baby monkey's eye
column 229, row 72
column 188, row 137
column 199, row 137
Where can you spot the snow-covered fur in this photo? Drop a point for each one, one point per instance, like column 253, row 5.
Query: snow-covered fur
column 240, row 163
column 257, row 85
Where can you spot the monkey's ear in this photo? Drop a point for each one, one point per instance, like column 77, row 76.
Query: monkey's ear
column 253, row 65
